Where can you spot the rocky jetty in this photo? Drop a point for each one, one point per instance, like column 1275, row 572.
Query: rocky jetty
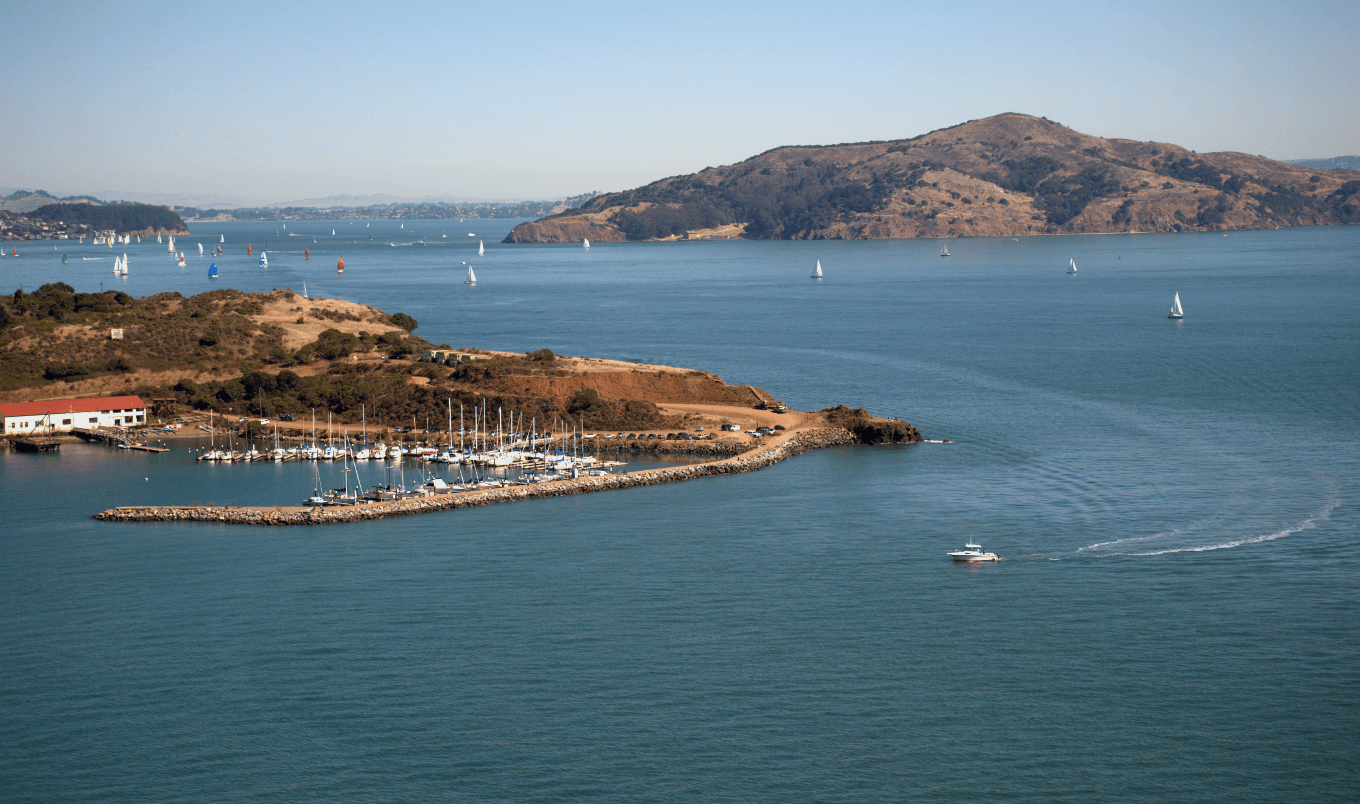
column 800, row 442
column 868, row 429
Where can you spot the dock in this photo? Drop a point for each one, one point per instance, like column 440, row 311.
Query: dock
column 759, row 458
column 35, row 444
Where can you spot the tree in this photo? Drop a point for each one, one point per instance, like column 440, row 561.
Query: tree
column 404, row 321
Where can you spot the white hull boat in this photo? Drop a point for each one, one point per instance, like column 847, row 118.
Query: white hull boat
column 1176, row 311
column 973, row 552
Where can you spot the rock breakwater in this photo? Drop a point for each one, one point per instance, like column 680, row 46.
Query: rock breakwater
column 800, row 442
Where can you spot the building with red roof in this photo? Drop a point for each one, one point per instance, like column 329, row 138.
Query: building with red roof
column 67, row 414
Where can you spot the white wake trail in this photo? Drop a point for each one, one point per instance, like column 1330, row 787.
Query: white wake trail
column 1308, row 524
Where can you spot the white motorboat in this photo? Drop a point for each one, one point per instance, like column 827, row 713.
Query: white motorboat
column 973, row 552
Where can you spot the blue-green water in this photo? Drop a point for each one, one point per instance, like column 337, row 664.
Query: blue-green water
column 1178, row 619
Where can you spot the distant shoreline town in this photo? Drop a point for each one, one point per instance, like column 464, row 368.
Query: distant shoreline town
column 39, row 215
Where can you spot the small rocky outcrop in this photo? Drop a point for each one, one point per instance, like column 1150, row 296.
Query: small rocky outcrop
column 869, row 429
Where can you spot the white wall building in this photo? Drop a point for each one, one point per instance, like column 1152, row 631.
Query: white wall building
column 64, row 415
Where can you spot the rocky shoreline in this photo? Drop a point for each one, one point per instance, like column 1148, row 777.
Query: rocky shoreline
column 749, row 461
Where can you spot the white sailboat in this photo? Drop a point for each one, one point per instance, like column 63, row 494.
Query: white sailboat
column 200, row 249
column 171, row 247
column 264, row 259
column 1176, row 311
column 1071, row 266
column 481, row 248
column 124, row 268
column 304, row 290
column 585, row 242
column 944, row 251
column 223, row 238
column 117, row 266
column 817, row 272
column 471, row 278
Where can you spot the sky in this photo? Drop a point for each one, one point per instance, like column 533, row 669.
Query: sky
column 271, row 102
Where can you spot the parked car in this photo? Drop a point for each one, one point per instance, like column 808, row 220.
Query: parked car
column 288, row 417
column 264, row 421
column 780, row 427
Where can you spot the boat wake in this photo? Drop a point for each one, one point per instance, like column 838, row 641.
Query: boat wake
column 1166, row 534
column 1323, row 514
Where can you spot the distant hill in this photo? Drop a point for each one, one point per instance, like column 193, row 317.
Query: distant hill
column 140, row 219
column 1335, row 162
column 1007, row 175
column 25, row 201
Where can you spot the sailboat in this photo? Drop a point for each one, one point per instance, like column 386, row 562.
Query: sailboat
column 585, row 242
column 1176, row 311
column 249, row 250
column 472, row 278
column 817, row 272
column 63, row 259
column 170, row 248
column 481, row 248
column 212, row 271
column 340, row 266
column 944, row 252
column 304, row 290
column 306, row 254
column 123, row 271
column 223, row 238
column 264, row 259
column 1071, row 266
column 158, row 238
column 200, row 249
column 117, row 266
column 181, row 259
column 332, row 233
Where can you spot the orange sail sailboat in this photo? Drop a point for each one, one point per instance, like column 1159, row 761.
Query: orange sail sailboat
column 340, row 268
column 247, row 248
column 306, row 254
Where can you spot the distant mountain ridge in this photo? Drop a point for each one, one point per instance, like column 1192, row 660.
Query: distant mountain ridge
column 1331, row 163
column 1007, row 175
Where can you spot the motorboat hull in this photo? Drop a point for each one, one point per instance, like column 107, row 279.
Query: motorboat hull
column 971, row 556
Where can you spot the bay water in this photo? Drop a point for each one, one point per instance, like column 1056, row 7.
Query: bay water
column 1177, row 617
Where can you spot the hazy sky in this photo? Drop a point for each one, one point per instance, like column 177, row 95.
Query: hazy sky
column 527, row 100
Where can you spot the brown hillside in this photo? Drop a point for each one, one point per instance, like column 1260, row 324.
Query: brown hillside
column 1007, row 175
